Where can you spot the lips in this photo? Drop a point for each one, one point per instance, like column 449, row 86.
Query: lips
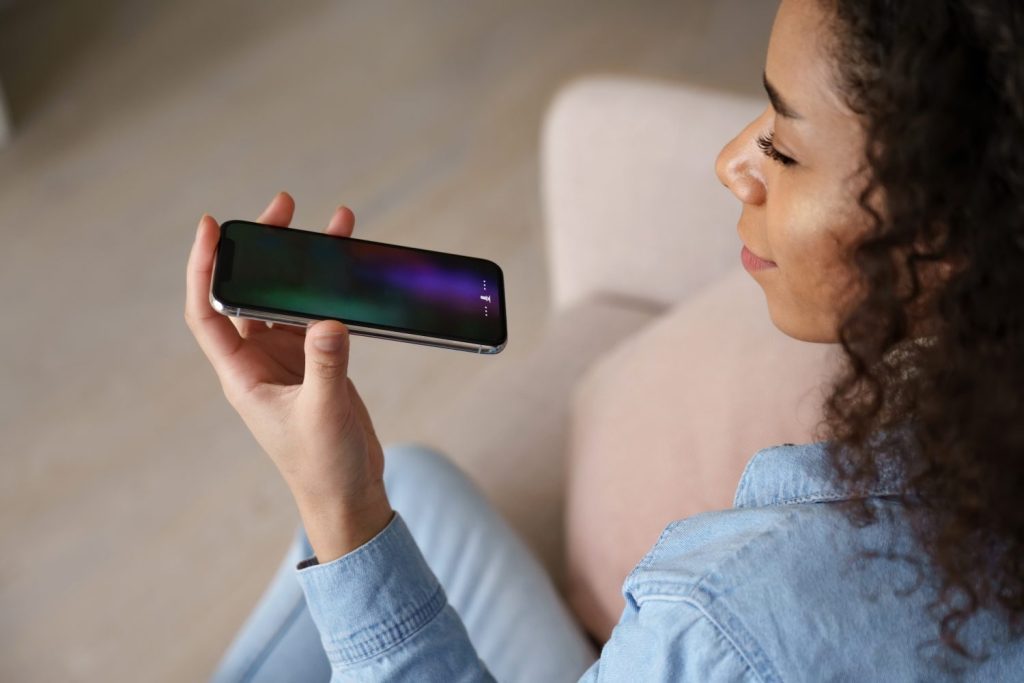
column 759, row 258
column 753, row 263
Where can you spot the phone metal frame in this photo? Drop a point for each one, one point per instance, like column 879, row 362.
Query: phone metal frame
column 361, row 330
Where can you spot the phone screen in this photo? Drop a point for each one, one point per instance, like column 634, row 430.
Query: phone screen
column 379, row 285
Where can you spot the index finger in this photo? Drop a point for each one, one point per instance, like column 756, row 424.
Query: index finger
column 216, row 335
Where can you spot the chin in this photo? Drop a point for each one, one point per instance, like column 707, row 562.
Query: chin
column 801, row 329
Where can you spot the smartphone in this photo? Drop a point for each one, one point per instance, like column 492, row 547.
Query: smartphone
column 295, row 277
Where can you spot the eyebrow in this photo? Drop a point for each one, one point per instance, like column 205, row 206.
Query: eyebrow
column 778, row 104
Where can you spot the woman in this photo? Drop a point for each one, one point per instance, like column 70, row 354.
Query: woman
column 883, row 209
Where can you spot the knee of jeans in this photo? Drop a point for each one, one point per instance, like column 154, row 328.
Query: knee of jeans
column 421, row 470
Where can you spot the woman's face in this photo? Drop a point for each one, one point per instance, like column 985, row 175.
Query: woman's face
column 802, row 214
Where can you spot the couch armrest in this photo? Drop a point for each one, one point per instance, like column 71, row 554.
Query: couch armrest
column 632, row 205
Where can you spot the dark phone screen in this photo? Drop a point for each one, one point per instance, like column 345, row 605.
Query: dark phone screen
column 378, row 285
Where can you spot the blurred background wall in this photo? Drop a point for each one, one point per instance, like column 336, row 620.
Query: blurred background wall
column 139, row 522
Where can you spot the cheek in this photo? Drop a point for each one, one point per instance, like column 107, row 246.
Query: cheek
column 806, row 232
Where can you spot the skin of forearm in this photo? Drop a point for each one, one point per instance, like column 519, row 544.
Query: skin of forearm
column 337, row 528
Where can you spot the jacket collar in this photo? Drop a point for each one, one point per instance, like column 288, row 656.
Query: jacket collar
column 803, row 473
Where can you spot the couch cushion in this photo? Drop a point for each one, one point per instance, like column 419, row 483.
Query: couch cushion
column 663, row 425
column 629, row 187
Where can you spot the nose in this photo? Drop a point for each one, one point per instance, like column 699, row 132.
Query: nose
column 740, row 165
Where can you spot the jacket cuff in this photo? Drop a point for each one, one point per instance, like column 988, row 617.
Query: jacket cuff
column 373, row 597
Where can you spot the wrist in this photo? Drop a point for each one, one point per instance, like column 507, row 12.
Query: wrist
column 336, row 528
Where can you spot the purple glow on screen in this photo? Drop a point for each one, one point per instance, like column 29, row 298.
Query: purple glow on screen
column 427, row 280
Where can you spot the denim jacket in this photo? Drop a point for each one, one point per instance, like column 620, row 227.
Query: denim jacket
column 774, row 589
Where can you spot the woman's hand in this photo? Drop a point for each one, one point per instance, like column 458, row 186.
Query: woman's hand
column 290, row 385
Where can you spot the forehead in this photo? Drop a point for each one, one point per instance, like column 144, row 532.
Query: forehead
column 799, row 64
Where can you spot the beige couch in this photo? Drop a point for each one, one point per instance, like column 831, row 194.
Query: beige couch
column 660, row 372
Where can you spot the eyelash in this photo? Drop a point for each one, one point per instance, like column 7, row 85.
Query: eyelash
column 765, row 143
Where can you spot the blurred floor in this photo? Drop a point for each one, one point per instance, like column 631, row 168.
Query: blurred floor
column 139, row 521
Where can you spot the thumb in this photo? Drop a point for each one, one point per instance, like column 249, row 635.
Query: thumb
column 326, row 351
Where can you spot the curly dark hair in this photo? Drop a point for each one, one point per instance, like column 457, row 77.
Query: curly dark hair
column 939, row 88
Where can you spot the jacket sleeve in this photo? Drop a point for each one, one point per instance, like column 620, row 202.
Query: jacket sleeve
column 383, row 616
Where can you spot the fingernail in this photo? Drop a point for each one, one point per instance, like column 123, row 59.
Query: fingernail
column 329, row 342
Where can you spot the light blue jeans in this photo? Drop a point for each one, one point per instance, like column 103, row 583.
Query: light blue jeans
column 516, row 620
